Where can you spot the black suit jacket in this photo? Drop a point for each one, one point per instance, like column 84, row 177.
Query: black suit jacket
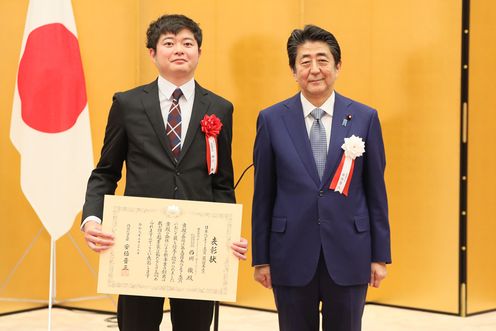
column 135, row 134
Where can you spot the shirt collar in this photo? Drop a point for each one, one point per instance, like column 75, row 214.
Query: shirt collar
column 327, row 107
column 166, row 88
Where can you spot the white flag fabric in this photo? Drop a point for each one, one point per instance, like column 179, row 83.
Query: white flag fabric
column 50, row 124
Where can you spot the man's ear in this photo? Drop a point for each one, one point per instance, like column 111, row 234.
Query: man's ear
column 152, row 53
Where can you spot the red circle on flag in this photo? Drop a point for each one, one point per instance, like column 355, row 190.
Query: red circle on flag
column 51, row 79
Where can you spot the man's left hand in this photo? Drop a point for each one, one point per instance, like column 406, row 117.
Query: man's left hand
column 240, row 248
column 377, row 273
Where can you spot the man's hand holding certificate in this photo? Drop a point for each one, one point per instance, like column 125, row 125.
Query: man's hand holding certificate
column 170, row 248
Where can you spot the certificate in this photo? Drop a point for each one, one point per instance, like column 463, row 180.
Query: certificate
column 170, row 248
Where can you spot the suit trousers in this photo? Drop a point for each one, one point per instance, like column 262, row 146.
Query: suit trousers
column 342, row 306
column 137, row 313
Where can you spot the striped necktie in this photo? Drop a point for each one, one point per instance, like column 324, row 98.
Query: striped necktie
column 174, row 124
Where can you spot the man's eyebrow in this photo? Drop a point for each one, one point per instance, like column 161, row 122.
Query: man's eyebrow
column 318, row 54
column 323, row 54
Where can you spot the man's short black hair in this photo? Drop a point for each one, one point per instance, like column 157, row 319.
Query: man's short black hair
column 312, row 33
column 171, row 24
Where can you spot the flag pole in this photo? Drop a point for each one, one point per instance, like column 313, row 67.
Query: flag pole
column 54, row 291
column 52, row 276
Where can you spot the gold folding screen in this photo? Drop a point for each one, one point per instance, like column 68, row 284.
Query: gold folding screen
column 481, row 219
column 402, row 58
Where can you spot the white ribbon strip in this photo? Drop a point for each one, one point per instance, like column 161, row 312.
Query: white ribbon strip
column 343, row 177
column 213, row 155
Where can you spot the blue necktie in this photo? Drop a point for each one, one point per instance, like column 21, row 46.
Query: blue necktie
column 318, row 141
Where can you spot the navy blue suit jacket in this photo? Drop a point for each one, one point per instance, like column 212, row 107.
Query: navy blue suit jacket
column 295, row 215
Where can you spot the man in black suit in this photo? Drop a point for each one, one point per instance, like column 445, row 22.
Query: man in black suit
column 155, row 129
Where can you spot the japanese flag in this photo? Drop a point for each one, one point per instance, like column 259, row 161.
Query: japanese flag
column 50, row 123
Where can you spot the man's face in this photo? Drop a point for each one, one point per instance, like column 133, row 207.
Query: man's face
column 177, row 56
column 315, row 69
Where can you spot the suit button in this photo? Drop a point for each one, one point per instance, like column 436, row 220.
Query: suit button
column 321, row 193
column 178, row 173
column 318, row 221
column 175, row 188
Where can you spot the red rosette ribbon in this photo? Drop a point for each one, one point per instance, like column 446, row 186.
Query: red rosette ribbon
column 353, row 147
column 211, row 126
column 342, row 179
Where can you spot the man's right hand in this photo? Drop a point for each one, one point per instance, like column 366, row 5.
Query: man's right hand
column 95, row 238
column 262, row 275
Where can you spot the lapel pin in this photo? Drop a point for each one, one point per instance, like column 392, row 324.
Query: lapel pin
column 346, row 119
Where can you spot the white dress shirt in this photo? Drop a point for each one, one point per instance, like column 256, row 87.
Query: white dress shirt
column 165, row 90
column 326, row 120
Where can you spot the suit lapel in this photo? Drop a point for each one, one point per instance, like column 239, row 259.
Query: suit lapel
column 151, row 104
column 295, row 124
column 200, row 107
column 338, row 133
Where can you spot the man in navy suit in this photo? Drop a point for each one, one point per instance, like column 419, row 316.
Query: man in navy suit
column 320, row 215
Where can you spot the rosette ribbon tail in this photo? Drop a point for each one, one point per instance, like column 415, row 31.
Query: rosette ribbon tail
column 212, row 159
column 342, row 178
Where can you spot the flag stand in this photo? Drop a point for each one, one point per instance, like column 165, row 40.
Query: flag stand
column 52, row 301
column 53, row 277
column 16, row 266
